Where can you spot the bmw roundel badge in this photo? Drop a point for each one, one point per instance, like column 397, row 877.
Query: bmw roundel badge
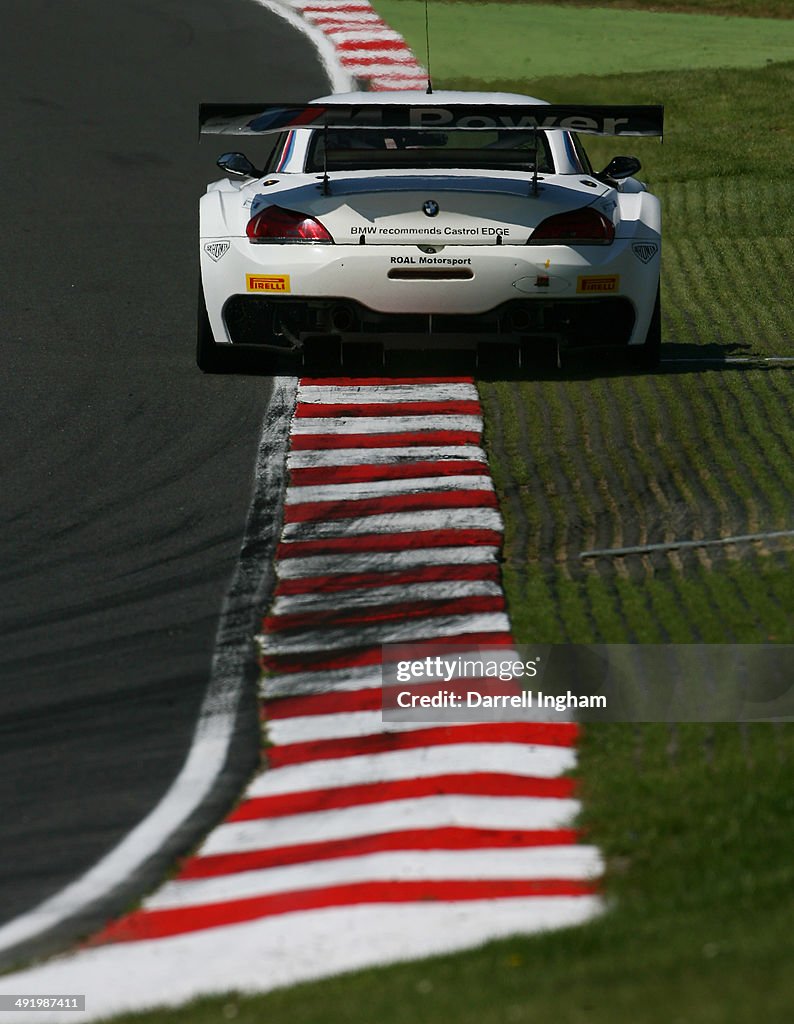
column 431, row 208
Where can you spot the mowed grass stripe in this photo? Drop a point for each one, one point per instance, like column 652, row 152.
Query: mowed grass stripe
column 690, row 433
column 771, row 464
column 751, row 578
column 728, row 237
column 526, row 518
column 777, row 397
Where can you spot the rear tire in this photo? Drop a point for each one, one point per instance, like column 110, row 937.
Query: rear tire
column 647, row 356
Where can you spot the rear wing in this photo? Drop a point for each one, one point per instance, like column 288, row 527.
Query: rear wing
column 260, row 118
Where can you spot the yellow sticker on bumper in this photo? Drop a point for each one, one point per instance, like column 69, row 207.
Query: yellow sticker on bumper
column 605, row 283
column 267, row 282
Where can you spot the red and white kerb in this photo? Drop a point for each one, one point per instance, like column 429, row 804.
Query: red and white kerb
column 391, row 533
column 365, row 45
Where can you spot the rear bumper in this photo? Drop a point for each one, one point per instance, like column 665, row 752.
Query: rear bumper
column 285, row 323
column 402, row 296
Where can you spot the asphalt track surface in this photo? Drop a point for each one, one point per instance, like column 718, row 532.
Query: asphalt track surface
column 126, row 474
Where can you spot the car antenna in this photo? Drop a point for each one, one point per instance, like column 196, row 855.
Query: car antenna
column 326, row 181
column 429, row 89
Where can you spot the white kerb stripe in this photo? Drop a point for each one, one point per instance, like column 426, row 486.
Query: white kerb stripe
column 351, row 18
column 360, row 61
column 401, row 79
column 375, row 456
column 383, row 35
column 522, row 813
column 383, row 424
column 377, row 393
column 376, row 561
column 299, row 684
column 383, row 633
column 367, row 597
column 476, row 518
column 528, row 760
column 329, row 5
column 381, row 488
column 342, row 725
column 379, row 53
column 570, row 862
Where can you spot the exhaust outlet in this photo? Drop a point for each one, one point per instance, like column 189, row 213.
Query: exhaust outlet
column 342, row 318
column 518, row 320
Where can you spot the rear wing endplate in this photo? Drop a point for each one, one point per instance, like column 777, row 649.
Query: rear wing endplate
column 260, row 118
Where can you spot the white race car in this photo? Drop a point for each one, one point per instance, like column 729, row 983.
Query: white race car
column 408, row 220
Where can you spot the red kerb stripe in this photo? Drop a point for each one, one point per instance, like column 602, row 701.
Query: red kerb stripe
column 333, row 703
column 373, row 44
column 353, row 508
column 321, row 661
column 494, row 784
column 353, row 581
column 159, row 924
column 446, row 838
column 309, row 476
column 340, row 617
column 407, row 61
column 458, row 407
column 327, row 442
column 364, row 543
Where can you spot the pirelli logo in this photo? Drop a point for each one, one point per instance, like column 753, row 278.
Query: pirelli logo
column 598, row 285
column 267, row 282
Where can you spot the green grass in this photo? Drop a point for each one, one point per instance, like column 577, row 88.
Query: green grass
column 747, row 8
column 529, row 41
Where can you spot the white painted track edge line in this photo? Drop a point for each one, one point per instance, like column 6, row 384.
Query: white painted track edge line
column 212, row 737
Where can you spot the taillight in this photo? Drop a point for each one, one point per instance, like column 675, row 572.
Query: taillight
column 275, row 224
column 577, row 227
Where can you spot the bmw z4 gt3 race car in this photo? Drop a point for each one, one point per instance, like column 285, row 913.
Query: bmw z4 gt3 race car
column 408, row 220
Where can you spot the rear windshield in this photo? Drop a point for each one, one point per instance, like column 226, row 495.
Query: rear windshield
column 346, row 149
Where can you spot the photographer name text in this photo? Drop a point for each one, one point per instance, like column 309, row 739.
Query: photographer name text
column 477, row 699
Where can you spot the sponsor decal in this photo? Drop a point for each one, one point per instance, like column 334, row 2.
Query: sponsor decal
column 600, row 284
column 216, row 250
column 431, row 208
column 267, row 282
column 645, row 251
column 447, row 261
column 448, row 231
column 602, row 120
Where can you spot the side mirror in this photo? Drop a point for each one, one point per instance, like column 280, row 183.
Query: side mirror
column 620, row 167
column 237, row 163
